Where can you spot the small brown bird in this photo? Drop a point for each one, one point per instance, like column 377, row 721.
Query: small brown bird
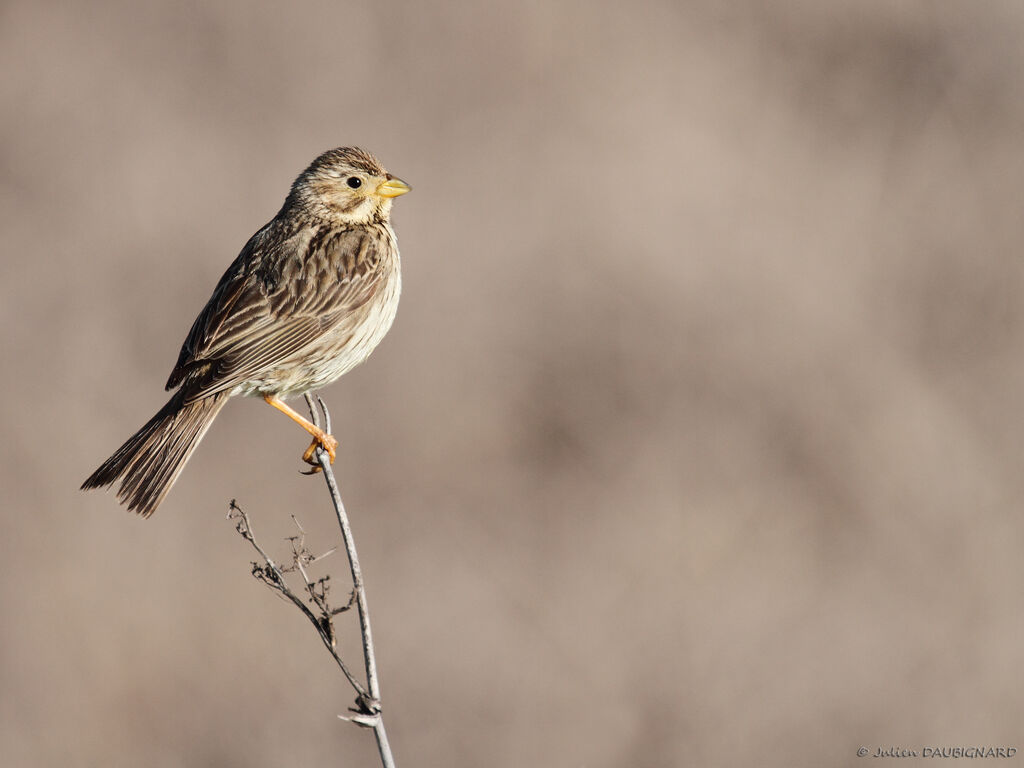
column 308, row 298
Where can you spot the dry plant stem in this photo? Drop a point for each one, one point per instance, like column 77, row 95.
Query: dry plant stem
column 273, row 576
column 371, row 716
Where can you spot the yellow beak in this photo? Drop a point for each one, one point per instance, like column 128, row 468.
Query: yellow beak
column 393, row 188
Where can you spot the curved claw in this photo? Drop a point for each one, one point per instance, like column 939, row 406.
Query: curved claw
column 320, row 438
column 325, row 441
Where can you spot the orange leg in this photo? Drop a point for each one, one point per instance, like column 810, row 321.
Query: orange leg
column 320, row 438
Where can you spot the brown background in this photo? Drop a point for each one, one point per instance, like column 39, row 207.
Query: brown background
column 697, row 440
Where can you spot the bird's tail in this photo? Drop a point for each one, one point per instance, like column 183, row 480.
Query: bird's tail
column 151, row 460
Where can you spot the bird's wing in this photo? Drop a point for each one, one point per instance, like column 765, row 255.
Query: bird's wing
column 274, row 302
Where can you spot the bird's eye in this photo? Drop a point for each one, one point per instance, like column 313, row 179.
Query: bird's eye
column 355, row 182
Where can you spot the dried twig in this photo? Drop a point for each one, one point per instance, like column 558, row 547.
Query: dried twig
column 367, row 712
column 273, row 575
column 369, row 715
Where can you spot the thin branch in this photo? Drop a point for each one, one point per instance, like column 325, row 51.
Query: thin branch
column 367, row 712
column 273, row 576
column 370, row 716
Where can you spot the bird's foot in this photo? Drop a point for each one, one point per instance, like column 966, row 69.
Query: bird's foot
column 321, row 440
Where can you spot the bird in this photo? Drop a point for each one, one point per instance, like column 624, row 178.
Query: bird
column 307, row 299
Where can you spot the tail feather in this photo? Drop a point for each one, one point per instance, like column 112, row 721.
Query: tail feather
column 150, row 460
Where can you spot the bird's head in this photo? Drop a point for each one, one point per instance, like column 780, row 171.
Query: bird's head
column 348, row 186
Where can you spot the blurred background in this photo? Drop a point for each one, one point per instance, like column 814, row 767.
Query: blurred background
column 697, row 439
